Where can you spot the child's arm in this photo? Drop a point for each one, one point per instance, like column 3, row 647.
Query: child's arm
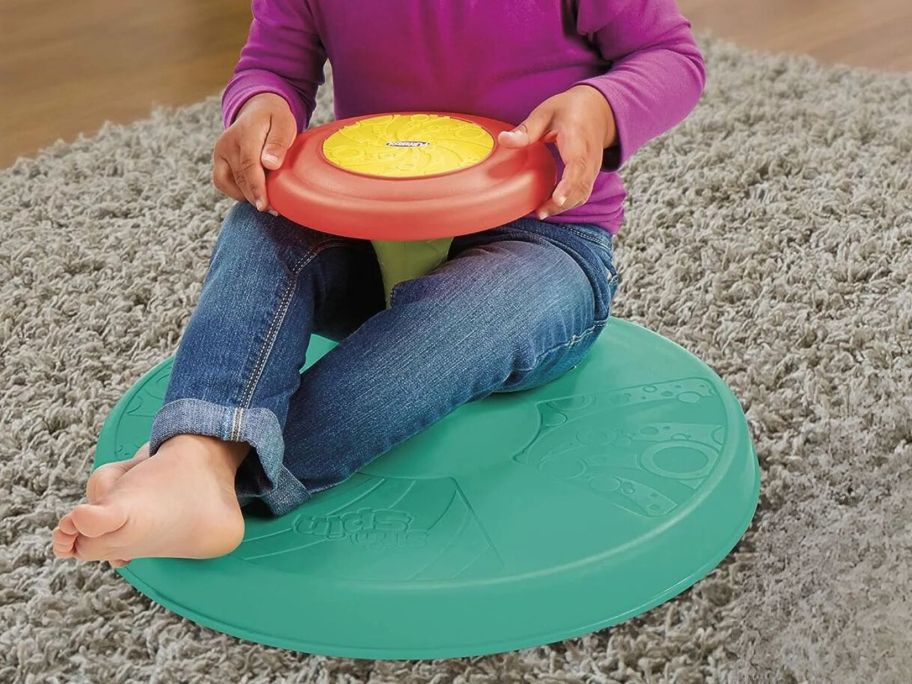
column 283, row 55
column 270, row 98
column 654, row 77
column 656, row 74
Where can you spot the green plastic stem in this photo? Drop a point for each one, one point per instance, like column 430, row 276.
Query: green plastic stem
column 407, row 259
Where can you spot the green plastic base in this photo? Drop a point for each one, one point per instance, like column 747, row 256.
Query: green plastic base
column 518, row 520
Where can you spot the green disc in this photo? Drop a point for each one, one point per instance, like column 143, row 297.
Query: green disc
column 518, row 520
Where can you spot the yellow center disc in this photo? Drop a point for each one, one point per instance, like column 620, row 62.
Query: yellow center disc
column 408, row 145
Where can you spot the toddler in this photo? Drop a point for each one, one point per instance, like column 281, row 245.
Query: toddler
column 512, row 308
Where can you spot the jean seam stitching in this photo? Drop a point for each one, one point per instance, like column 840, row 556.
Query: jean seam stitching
column 574, row 339
column 272, row 333
column 613, row 273
column 607, row 244
column 180, row 406
column 235, row 422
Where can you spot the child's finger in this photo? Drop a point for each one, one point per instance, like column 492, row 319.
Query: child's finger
column 579, row 173
column 576, row 184
column 573, row 190
column 282, row 132
column 223, row 179
column 533, row 128
column 240, row 182
column 550, row 207
column 249, row 174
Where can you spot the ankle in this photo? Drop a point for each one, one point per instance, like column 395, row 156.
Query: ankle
column 217, row 453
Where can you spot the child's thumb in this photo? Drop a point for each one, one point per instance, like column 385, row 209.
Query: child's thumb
column 282, row 132
column 529, row 131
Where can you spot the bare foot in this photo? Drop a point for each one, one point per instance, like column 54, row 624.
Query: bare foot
column 100, row 482
column 180, row 503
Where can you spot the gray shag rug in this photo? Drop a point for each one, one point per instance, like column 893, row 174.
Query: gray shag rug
column 771, row 234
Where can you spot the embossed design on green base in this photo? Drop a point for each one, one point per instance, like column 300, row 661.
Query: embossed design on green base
column 383, row 529
column 636, row 460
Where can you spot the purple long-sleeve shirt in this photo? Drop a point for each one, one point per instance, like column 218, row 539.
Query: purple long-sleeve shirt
column 496, row 58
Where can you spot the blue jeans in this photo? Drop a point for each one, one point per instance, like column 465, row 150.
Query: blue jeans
column 512, row 308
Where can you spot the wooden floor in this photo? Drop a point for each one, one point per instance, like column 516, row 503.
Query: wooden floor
column 65, row 67
column 871, row 33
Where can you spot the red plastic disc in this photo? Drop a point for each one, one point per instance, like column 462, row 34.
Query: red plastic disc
column 409, row 176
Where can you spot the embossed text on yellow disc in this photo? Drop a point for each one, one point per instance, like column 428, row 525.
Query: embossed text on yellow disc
column 408, row 145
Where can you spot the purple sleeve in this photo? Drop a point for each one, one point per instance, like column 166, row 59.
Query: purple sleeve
column 656, row 73
column 283, row 55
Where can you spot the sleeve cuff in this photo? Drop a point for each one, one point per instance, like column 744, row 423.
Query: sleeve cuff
column 255, row 82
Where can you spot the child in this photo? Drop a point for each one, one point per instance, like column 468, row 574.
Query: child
column 512, row 308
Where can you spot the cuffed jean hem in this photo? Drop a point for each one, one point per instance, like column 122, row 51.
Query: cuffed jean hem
column 262, row 476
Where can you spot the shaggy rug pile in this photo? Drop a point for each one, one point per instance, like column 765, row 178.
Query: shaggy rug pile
column 771, row 234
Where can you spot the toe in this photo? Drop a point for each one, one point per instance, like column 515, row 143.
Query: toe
column 119, row 562
column 66, row 525
column 95, row 520
column 62, row 543
column 58, row 537
column 88, row 549
column 63, row 551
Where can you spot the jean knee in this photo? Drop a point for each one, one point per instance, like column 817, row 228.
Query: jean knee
column 252, row 239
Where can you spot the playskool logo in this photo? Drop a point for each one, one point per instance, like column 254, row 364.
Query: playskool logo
column 407, row 143
column 376, row 528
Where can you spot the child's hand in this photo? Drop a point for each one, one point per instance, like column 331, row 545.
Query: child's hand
column 581, row 123
column 258, row 138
